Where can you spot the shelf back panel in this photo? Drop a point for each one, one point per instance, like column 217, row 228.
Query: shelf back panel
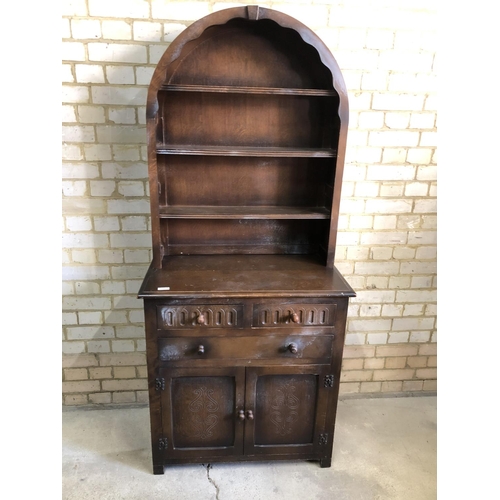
column 235, row 181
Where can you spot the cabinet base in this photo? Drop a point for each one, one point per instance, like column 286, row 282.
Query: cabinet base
column 325, row 462
column 158, row 469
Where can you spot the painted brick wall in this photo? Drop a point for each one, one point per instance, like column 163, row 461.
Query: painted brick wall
column 387, row 240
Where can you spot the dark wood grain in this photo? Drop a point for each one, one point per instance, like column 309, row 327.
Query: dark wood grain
column 245, row 312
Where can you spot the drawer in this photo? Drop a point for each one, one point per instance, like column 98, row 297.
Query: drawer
column 317, row 348
column 201, row 316
column 268, row 315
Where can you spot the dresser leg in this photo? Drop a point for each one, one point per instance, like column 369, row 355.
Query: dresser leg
column 158, row 469
column 325, row 462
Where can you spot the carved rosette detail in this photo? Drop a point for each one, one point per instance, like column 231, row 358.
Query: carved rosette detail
column 284, row 404
column 328, row 381
column 203, row 409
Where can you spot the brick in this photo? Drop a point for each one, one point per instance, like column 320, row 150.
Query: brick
column 381, row 253
column 74, row 94
column 419, row 156
column 71, row 152
column 421, row 281
column 117, row 52
column 86, row 303
column 126, row 152
column 412, row 324
column 73, row 51
column 142, row 397
column 75, row 399
column 73, row 347
column 69, row 319
column 430, row 385
column 395, row 362
column 99, row 373
column 359, row 352
column 378, row 268
column 368, row 387
column 100, row 398
column 98, row 346
column 140, row 345
column 427, row 173
column 423, row 120
column 147, row 32
column 82, row 223
column 351, row 38
column 370, row 310
column 113, row 287
column 413, row 385
column 97, row 151
column 129, row 272
column 383, row 222
column 74, row 188
column 110, row 256
column 68, row 114
column 74, row 8
column 118, row 317
column 393, row 138
column 91, row 114
column 352, row 364
column 413, row 267
column 87, row 287
column 83, row 256
column 376, row 338
column 111, row 223
column 374, row 296
column 356, row 375
column 391, row 189
column 425, row 206
column 132, row 188
column 84, row 240
column 417, row 361
column 102, row 188
column 122, row 171
column 416, row 189
column 420, row 337
column 349, row 387
column 129, row 207
column 122, row 346
column 124, row 385
column 381, row 282
column 116, row 30
column 391, row 386
column 385, row 375
column 90, row 318
column 416, row 296
column 121, row 372
column 122, row 115
column 369, row 325
column 388, row 206
column 120, row 75
column 172, row 31
column 387, row 351
column 427, row 373
column 136, row 256
column 394, row 155
column 78, row 133
column 405, row 61
column 179, row 11
column 124, row 397
column 428, row 139
column 81, row 386
column 80, row 361
column 90, row 332
column 123, row 96
column 123, row 8
column 374, row 363
column 80, row 171
column 85, row 28
column 379, row 39
column 136, row 316
column 390, row 172
column 127, row 359
column 75, row 374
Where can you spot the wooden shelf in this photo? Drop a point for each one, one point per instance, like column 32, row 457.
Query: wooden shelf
column 229, row 89
column 243, row 212
column 274, row 152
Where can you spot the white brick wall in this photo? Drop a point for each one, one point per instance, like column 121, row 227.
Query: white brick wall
column 387, row 239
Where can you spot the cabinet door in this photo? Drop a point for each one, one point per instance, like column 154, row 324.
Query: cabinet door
column 286, row 409
column 200, row 410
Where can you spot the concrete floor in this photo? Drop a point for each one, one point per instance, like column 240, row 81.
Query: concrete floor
column 385, row 448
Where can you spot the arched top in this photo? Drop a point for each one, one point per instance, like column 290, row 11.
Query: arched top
column 248, row 41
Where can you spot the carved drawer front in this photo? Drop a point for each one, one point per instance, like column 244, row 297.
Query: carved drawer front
column 279, row 315
column 317, row 348
column 215, row 316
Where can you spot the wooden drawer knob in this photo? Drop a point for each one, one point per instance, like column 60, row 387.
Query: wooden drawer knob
column 201, row 319
column 250, row 415
column 201, row 349
column 293, row 348
column 295, row 318
column 241, row 415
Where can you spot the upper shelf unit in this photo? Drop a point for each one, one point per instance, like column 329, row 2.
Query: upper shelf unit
column 247, row 119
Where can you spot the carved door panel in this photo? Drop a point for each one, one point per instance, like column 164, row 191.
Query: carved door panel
column 205, row 412
column 288, row 408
